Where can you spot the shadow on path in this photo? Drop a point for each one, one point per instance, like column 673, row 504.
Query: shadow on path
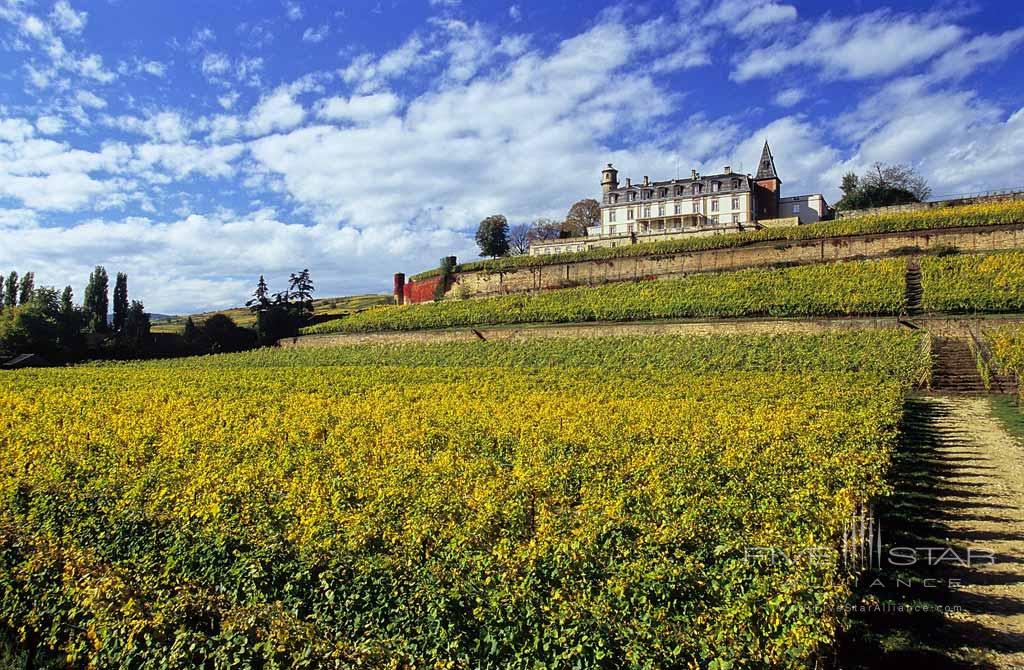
column 946, row 588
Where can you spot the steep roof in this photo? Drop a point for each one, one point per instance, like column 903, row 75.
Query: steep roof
column 766, row 166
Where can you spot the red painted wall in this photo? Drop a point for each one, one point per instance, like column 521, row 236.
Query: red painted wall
column 421, row 291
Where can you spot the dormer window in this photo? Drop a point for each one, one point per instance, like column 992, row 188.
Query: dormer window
column 697, row 188
column 735, row 183
column 716, row 185
column 680, row 190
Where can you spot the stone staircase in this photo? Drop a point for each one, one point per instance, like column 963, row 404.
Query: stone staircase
column 954, row 370
column 913, row 290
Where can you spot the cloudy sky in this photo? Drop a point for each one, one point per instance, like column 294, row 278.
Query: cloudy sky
column 196, row 145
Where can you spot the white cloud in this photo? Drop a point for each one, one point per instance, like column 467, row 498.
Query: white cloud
column 868, row 45
column 275, row 112
column 790, row 97
column 89, row 99
column 358, row 108
column 515, row 13
column 293, row 10
column 968, row 56
column 66, row 18
column 49, row 124
column 215, row 64
column 228, row 100
column 315, row 35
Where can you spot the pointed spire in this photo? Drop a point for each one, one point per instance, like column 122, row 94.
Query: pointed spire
column 766, row 166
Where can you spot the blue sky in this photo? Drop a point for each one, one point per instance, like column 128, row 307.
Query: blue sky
column 196, row 145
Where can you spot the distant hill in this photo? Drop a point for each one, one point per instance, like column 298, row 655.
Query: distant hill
column 339, row 306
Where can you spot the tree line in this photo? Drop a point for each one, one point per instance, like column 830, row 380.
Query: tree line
column 47, row 322
column 495, row 237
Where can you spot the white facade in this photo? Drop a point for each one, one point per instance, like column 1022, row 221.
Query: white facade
column 808, row 208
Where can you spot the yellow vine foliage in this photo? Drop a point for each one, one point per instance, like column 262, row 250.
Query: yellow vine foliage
column 462, row 517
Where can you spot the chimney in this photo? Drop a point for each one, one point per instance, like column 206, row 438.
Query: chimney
column 693, row 174
column 629, row 182
column 727, row 169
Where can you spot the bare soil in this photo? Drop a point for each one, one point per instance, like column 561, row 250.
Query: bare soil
column 959, row 490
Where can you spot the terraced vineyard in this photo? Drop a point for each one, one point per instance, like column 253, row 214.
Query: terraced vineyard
column 854, row 288
column 987, row 214
column 512, row 505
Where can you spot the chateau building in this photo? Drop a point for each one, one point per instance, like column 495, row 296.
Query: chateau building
column 701, row 205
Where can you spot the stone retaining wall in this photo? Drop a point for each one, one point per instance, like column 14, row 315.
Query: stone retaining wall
column 481, row 283
column 939, row 326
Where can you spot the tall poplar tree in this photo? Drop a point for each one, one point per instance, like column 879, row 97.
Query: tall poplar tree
column 120, row 302
column 11, row 290
column 27, row 286
column 96, row 302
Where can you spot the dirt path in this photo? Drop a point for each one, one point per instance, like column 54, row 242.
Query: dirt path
column 959, row 490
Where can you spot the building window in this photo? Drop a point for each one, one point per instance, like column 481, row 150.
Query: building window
column 679, row 190
column 632, row 196
column 696, row 207
column 796, row 209
column 629, row 214
column 735, row 218
column 714, row 220
column 716, row 186
column 611, row 230
column 735, row 183
column 678, row 208
column 714, row 205
column 697, row 188
column 647, row 211
column 661, row 210
column 629, row 227
column 735, row 203
column 611, row 215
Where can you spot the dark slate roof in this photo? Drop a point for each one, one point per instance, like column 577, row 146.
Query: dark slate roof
column 766, row 166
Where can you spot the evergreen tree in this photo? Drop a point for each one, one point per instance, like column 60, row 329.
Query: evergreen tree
column 28, row 285
column 11, row 290
column 191, row 333
column 96, row 302
column 301, row 290
column 120, row 302
column 67, row 300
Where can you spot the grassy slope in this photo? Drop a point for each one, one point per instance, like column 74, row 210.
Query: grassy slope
column 324, row 306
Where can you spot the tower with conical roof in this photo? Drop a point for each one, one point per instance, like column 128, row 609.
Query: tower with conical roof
column 767, row 186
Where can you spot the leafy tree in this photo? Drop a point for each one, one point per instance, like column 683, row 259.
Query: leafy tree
column 31, row 327
column 582, row 214
column 70, row 321
column 28, row 284
column 96, row 302
column 11, row 290
column 519, row 239
column 881, row 186
column 545, row 229
column 120, row 302
column 492, row 236
column 224, row 334
column 137, row 325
